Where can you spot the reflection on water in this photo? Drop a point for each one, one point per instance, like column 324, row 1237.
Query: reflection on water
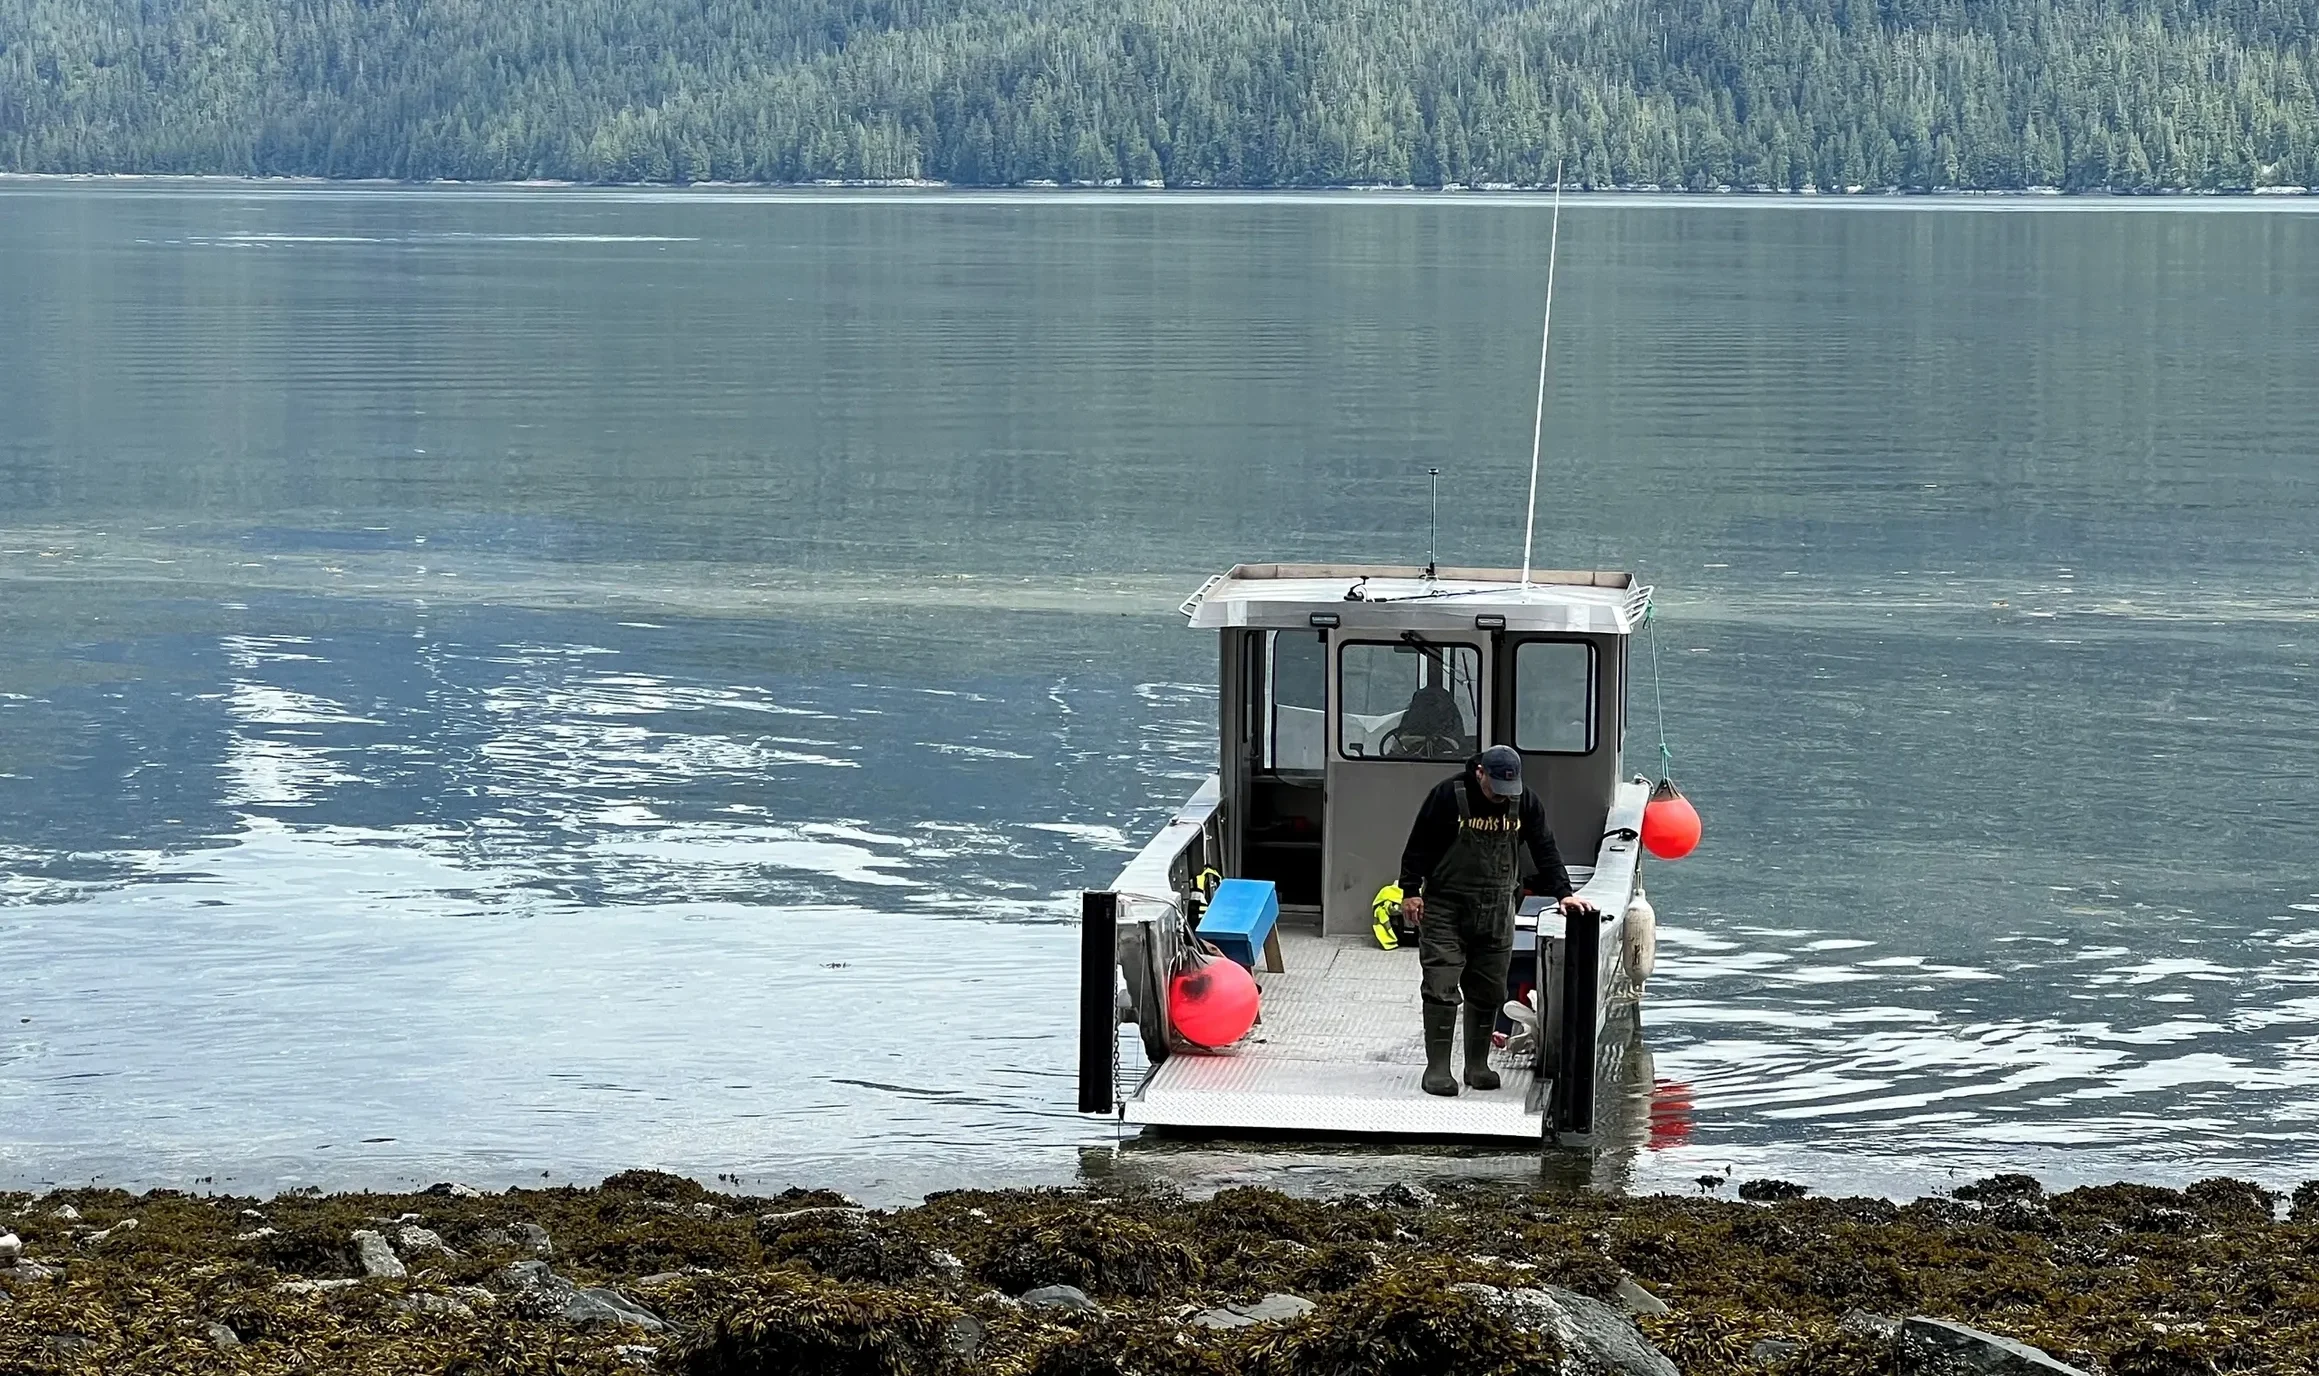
column 1642, row 1122
column 515, row 683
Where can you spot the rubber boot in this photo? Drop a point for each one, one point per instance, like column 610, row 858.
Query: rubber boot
column 1479, row 1024
column 1440, row 1030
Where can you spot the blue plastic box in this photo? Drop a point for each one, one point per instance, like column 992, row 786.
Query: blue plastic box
column 1240, row 918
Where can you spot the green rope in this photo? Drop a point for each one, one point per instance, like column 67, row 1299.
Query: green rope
column 1658, row 703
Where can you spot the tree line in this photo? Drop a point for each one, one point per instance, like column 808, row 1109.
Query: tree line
column 2130, row 95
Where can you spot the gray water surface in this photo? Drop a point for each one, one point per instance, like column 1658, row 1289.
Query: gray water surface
column 501, row 682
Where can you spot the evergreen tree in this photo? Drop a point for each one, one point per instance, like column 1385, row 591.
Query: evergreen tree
column 2082, row 94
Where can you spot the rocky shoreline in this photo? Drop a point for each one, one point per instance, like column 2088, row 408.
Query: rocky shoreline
column 653, row 1272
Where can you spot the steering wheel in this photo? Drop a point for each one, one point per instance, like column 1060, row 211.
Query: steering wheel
column 1399, row 744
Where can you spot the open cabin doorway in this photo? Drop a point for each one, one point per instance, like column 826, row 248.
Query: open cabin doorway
column 1284, row 711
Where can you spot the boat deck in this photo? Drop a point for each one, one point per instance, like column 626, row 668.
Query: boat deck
column 1339, row 1050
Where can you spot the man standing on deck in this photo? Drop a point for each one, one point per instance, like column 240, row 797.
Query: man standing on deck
column 1461, row 870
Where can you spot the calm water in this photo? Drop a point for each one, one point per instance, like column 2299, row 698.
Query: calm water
column 497, row 683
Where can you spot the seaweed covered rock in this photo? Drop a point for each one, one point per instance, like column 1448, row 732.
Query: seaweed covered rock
column 649, row 1244
column 1119, row 1347
column 1409, row 1323
column 1593, row 1338
column 1068, row 1299
column 1101, row 1252
column 2201, row 1352
column 2012, row 1203
column 307, row 1252
column 2120, row 1280
column 2303, row 1205
column 536, row 1289
column 798, row 1326
column 1245, row 1264
column 1940, row 1347
column 376, row 1258
column 592, row 1305
column 2226, row 1202
column 1254, row 1240
column 2001, row 1189
column 1273, row 1216
column 1635, row 1299
column 847, row 1244
column 2132, row 1208
column 1270, row 1309
column 656, row 1185
column 412, row 1239
column 795, row 1198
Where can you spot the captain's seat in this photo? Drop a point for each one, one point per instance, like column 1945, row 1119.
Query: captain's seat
column 1430, row 728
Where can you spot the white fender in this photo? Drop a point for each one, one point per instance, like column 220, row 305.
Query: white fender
column 1642, row 940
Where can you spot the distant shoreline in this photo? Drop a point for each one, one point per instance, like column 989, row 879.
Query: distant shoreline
column 2292, row 198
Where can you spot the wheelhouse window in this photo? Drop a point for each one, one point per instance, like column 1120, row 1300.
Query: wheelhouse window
column 1554, row 697
column 1295, row 701
column 1408, row 700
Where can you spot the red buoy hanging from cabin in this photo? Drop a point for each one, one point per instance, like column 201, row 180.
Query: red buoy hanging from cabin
column 1670, row 823
column 1212, row 1004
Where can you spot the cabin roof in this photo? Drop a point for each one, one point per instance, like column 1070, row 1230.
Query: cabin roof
column 1393, row 597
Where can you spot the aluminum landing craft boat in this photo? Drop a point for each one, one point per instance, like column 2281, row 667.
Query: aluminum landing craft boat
column 1346, row 693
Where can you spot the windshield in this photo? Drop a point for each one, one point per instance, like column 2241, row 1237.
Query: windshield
column 1404, row 700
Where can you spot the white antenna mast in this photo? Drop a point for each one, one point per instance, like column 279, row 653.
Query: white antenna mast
column 1433, row 521
column 1545, row 336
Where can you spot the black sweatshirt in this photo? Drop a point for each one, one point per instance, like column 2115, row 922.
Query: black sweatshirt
column 1436, row 828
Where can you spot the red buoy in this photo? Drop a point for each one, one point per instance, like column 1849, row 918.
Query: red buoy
column 1670, row 823
column 1213, row 1004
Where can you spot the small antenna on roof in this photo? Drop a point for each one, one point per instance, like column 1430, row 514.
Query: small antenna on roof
column 1432, row 520
column 1545, row 336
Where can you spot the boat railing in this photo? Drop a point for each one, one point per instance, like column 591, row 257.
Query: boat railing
column 1638, row 605
column 1594, row 976
column 1192, row 603
column 1131, row 936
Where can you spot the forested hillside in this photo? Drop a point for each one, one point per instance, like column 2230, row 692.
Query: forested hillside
column 2081, row 94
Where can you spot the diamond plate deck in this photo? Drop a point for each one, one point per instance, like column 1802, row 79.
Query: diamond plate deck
column 1338, row 1051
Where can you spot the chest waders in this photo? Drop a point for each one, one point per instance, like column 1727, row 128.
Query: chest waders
column 1466, row 941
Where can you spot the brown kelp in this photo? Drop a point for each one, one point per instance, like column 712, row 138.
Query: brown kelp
column 650, row 1271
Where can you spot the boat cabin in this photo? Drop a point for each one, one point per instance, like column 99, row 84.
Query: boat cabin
column 1345, row 694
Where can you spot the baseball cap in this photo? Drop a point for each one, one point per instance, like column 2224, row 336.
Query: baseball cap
column 1504, row 768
